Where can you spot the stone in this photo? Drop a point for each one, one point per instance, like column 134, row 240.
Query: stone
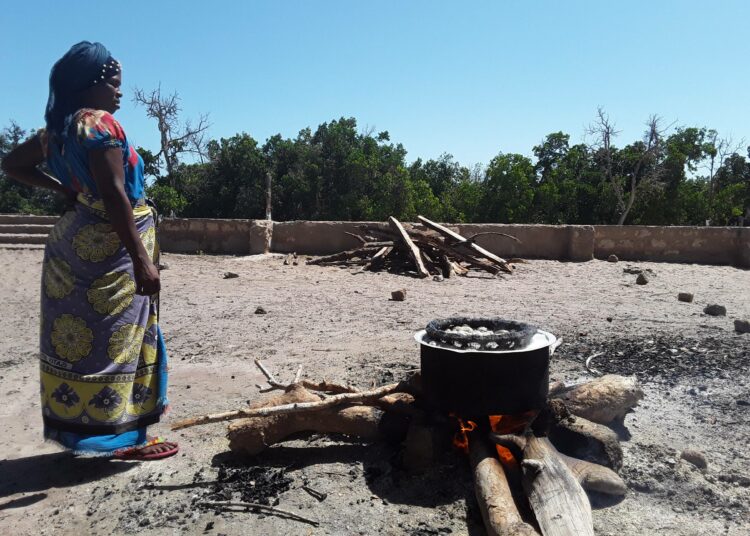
column 163, row 266
column 642, row 279
column 613, row 258
column 686, row 297
column 230, row 275
column 715, row 310
column 398, row 295
column 695, row 457
column 742, row 326
column 437, row 277
column 260, row 311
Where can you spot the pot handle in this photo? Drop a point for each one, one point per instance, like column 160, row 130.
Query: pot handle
column 554, row 346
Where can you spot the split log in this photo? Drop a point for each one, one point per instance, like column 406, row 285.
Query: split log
column 460, row 240
column 252, row 436
column 411, row 247
column 603, row 399
column 560, row 504
column 378, row 258
column 499, row 511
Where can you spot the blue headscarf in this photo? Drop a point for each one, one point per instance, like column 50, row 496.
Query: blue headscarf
column 80, row 68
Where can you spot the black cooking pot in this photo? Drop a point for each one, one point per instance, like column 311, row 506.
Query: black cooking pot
column 472, row 382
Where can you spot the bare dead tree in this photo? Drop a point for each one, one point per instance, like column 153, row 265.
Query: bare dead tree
column 719, row 149
column 647, row 169
column 175, row 138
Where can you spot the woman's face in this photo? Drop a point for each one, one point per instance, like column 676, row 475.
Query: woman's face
column 105, row 95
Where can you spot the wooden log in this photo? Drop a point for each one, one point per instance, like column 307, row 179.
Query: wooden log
column 595, row 477
column 345, row 255
column 603, row 399
column 451, row 252
column 460, row 240
column 560, row 504
column 411, row 247
column 581, row 438
column 499, row 511
column 294, row 407
column 252, row 436
column 378, row 258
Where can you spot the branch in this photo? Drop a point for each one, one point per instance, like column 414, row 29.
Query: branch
column 336, row 400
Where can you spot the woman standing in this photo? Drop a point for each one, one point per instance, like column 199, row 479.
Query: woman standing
column 103, row 362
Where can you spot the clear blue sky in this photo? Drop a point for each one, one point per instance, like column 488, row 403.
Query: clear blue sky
column 467, row 77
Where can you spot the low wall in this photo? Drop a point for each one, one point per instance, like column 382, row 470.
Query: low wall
column 559, row 242
column 233, row 237
column 705, row 245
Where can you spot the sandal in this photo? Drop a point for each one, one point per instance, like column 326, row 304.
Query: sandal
column 136, row 453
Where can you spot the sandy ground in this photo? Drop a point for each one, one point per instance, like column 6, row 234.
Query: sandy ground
column 344, row 327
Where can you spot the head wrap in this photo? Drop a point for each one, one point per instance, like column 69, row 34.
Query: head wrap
column 83, row 66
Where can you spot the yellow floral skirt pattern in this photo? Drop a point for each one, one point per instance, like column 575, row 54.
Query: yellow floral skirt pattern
column 103, row 359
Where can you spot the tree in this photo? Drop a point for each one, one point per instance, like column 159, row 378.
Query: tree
column 507, row 190
column 632, row 169
column 175, row 138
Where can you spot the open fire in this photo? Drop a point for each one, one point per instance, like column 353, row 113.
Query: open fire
column 532, row 464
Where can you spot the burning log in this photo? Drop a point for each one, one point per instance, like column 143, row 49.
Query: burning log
column 499, row 511
column 560, row 504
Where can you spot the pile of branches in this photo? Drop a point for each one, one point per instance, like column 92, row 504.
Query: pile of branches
column 433, row 251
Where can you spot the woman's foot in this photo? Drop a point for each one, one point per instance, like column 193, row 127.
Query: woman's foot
column 155, row 449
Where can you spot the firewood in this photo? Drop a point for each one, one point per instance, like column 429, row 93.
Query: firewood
column 499, row 510
column 293, row 407
column 560, row 504
column 463, row 257
column 460, row 240
column 578, row 437
column 344, row 255
column 595, row 477
column 603, row 399
column 411, row 247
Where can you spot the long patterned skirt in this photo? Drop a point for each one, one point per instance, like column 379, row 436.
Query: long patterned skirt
column 103, row 360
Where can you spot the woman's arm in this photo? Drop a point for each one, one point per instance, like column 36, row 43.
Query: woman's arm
column 106, row 168
column 21, row 164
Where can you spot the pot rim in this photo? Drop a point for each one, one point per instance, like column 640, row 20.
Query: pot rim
column 540, row 339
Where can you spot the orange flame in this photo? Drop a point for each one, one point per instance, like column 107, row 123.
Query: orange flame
column 509, row 424
column 461, row 440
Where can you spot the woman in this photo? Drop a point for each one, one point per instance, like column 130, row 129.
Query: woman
column 103, row 362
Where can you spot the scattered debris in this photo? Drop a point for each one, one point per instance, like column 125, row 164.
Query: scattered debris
column 642, row 279
column 695, row 457
column 230, row 275
column 398, row 295
column 715, row 310
column 742, row 326
column 613, row 258
column 686, row 297
column 260, row 311
column 291, row 258
column 163, row 266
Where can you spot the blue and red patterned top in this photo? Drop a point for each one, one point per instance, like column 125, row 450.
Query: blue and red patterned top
column 91, row 130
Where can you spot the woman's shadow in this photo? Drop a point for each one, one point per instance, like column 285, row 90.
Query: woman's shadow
column 55, row 470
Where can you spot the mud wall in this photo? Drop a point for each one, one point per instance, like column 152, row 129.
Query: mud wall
column 704, row 245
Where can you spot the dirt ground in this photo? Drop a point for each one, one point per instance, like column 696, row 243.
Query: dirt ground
column 343, row 327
